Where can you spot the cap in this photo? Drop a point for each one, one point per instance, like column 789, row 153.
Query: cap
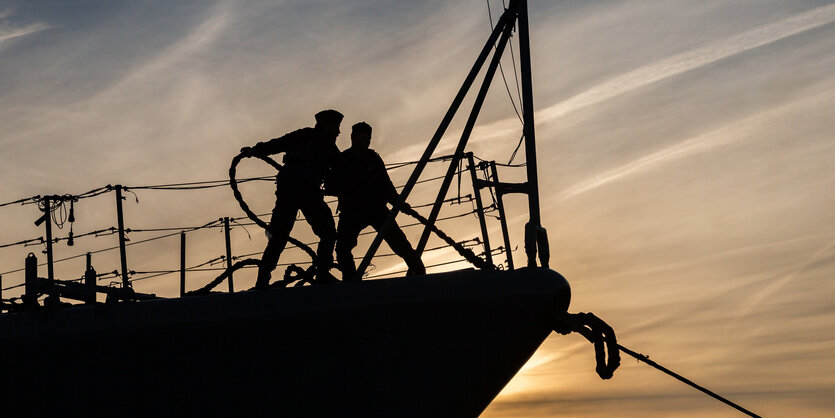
column 329, row 116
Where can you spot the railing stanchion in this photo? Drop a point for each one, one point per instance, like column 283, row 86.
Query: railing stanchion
column 182, row 263
column 50, row 268
column 502, row 217
column 30, row 295
column 228, row 251
column 121, row 225
column 47, row 209
column 480, row 208
column 90, row 282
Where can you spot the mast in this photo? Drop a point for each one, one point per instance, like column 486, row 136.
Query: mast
column 535, row 235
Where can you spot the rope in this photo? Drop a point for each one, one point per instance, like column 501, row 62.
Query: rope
column 603, row 337
column 467, row 253
column 645, row 359
column 249, row 213
column 233, row 183
column 219, row 279
column 513, row 155
column 294, row 273
column 598, row 333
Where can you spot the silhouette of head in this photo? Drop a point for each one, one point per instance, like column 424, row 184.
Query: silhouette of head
column 328, row 121
column 361, row 135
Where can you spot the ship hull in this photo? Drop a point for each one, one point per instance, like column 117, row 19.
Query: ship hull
column 437, row 345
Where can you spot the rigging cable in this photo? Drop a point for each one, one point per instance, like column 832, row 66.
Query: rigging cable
column 212, row 224
column 158, row 237
column 501, row 69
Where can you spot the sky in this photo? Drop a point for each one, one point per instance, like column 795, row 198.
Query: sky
column 685, row 153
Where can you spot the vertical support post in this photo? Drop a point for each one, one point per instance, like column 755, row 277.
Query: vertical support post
column 1, row 287
column 182, row 263
column 50, row 273
column 30, row 295
column 480, row 208
column 228, row 251
column 534, row 231
column 433, row 143
column 90, row 282
column 121, row 225
column 50, row 268
column 465, row 136
column 502, row 217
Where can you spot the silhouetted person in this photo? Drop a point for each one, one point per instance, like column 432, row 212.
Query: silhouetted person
column 309, row 154
column 364, row 187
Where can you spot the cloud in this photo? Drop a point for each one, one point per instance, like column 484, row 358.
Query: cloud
column 197, row 40
column 669, row 67
column 707, row 142
column 783, row 280
column 7, row 34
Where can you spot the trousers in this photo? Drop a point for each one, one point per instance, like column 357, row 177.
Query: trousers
column 352, row 222
column 288, row 203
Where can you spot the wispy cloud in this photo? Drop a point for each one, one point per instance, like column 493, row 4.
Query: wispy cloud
column 784, row 279
column 693, row 59
column 199, row 39
column 669, row 67
column 7, row 34
column 707, row 142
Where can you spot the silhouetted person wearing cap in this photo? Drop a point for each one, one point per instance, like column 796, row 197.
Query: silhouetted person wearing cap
column 364, row 187
column 309, row 154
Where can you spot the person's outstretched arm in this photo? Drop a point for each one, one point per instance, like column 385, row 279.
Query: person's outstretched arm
column 273, row 146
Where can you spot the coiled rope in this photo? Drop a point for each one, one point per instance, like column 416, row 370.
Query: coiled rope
column 294, row 273
column 233, row 183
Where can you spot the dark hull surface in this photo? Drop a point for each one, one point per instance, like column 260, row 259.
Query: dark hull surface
column 438, row 345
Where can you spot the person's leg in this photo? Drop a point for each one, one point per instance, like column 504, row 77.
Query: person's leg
column 397, row 241
column 281, row 223
column 320, row 218
column 346, row 239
